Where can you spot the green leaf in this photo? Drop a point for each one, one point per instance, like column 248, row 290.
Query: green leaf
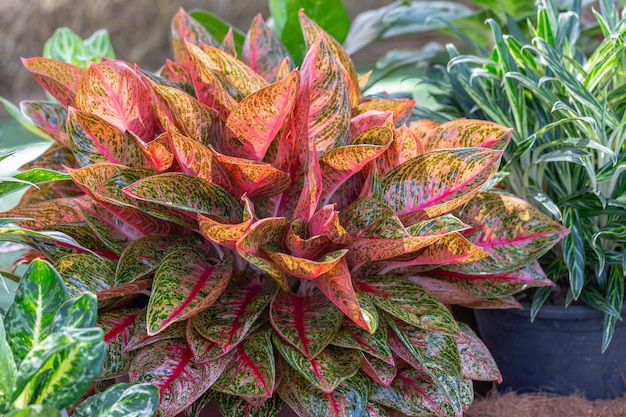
column 117, row 325
column 65, row 45
column 232, row 405
column 76, row 313
column 574, row 251
column 29, row 178
column 331, row 15
column 121, row 400
column 15, row 112
column 29, row 319
column 218, row 27
column 8, row 368
column 86, row 272
column 35, row 411
column 99, row 46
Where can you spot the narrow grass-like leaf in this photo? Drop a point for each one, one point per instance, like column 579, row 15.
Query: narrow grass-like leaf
column 29, row 178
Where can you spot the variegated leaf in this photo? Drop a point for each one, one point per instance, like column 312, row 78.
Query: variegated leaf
column 30, row 317
column 300, row 243
column 401, row 108
column 380, row 371
column 47, row 213
column 311, row 190
column 234, row 313
column 375, row 410
column 187, row 29
column 465, row 133
column 84, row 272
column 263, row 232
column 112, row 231
column 349, row 399
column 408, row 301
column 327, row 370
column 121, row 400
column 305, row 268
column 76, row 313
column 309, row 323
column 353, row 337
column 336, row 285
column 112, row 91
column 8, row 368
column 177, row 72
column 422, row 127
column 437, row 182
column 476, row 360
column 254, row 123
column 117, row 325
column 405, row 146
column 263, row 51
column 227, row 234
column 58, row 78
column 329, row 107
column 186, row 193
column 373, row 118
column 203, row 349
column 252, row 371
column 446, row 290
column 325, row 222
column 169, row 364
column 186, row 282
column 232, row 405
column 513, row 232
column 51, row 118
column 139, row 332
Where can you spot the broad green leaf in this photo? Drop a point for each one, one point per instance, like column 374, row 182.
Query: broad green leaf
column 380, row 371
column 30, row 317
column 232, row 405
column 375, row 344
column 467, row 134
column 58, row 78
column 262, row 50
column 65, row 45
column 331, row 15
column 186, row 193
column 309, row 323
column 254, row 123
column 35, row 411
column 187, row 281
column 513, row 233
column 62, row 366
column 121, row 400
column 117, row 325
column 8, row 368
column 111, row 90
column 50, row 117
column 84, row 272
column 251, row 372
column 349, row 399
column 408, row 301
column 76, row 313
column 476, row 360
column 29, row 178
column 99, row 46
column 187, row 29
column 218, row 28
column 229, row 319
column 169, row 364
column 437, row 182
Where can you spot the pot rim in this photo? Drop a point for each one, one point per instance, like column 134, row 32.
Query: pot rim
column 572, row 312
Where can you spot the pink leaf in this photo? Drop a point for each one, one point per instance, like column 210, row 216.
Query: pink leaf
column 263, row 50
column 58, row 78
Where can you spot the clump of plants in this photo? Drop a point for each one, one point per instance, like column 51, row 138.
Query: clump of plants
column 564, row 95
column 260, row 235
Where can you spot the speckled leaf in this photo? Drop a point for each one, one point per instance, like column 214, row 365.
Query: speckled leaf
column 437, row 182
column 300, row 243
column 160, row 153
column 84, row 272
column 465, row 133
column 513, row 232
column 349, row 399
column 265, row 231
column 227, row 234
column 111, row 90
column 421, row 127
column 340, row 163
column 185, row 283
column 186, row 193
column 188, row 115
column 143, row 256
column 353, row 337
column 375, row 410
column 405, row 146
column 259, row 180
column 380, row 371
column 49, row 117
column 476, row 360
column 93, row 139
column 187, row 29
column 114, row 232
column 228, row 320
column 139, row 332
column 311, row 31
column 169, row 364
column 47, row 213
column 408, row 301
column 251, row 373
column 203, row 349
column 29, row 318
column 326, row 222
column 305, row 268
column 311, row 190
column 327, row 370
column 232, row 405
column 58, row 78
column 401, row 108
column 329, row 107
column 29, row 178
column 121, row 400
column 76, row 313
column 208, row 87
column 254, row 123
column 117, row 325
column 178, row 73
column 446, row 290
column 263, row 51
column 373, row 118
column 307, row 322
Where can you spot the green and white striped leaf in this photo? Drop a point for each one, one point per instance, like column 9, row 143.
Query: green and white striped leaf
column 76, row 313
column 229, row 319
column 185, row 283
column 121, row 400
column 408, row 302
column 437, row 182
column 252, row 370
column 233, row 405
column 117, row 325
column 8, row 368
column 29, row 319
column 309, row 323
column 170, row 365
column 29, row 178
column 476, row 360
column 327, row 370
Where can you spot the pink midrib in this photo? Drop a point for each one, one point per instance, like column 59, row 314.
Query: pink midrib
column 192, row 295
column 178, row 370
column 119, row 328
column 255, row 369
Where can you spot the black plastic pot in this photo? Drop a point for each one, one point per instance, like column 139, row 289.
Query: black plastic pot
column 560, row 352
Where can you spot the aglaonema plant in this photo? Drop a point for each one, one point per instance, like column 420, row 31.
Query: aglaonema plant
column 52, row 351
column 293, row 241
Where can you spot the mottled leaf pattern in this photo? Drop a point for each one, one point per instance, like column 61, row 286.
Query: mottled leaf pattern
column 204, row 350
column 58, row 78
column 227, row 234
column 238, row 73
column 186, row 29
column 353, row 337
column 380, row 371
column 258, row 180
column 86, row 272
column 263, row 51
column 476, row 361
column 51, row 118
column 138, row 332
column 305, row 268
column 232, row 405
column 8, row 367
column 467, row 134
column 117, row 325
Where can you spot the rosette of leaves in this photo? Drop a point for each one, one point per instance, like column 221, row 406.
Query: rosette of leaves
column 296, row 241
column 52, row 351
column 563, row 94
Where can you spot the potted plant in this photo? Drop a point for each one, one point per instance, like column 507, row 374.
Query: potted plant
column 259, row 234
column 562, row 93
